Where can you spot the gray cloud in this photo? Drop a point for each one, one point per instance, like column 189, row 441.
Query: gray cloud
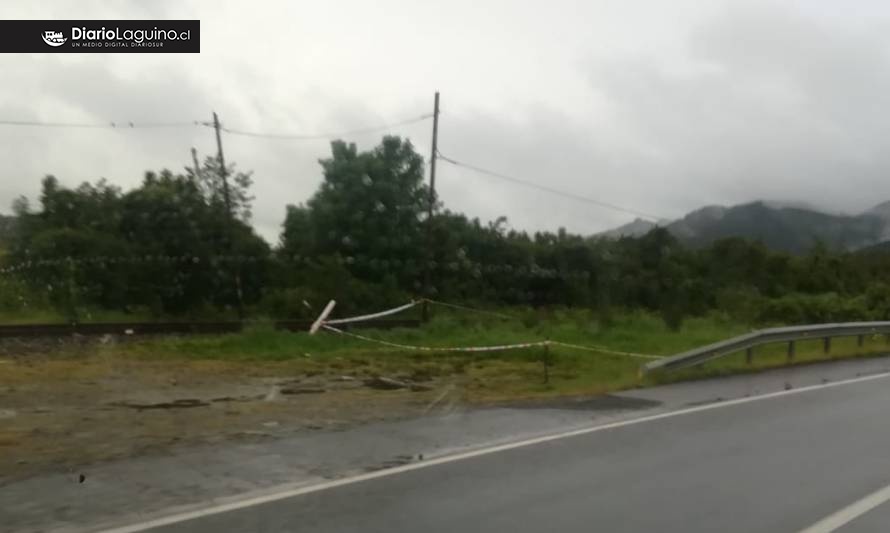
column 711, row 102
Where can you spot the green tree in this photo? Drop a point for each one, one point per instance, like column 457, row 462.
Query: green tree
column 368, row 210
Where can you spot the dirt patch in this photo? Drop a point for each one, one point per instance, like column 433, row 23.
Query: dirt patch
column 71, row 409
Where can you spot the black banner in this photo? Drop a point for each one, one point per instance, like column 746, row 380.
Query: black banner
column 100, row 36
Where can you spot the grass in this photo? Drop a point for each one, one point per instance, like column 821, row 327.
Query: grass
column 492, row 376
column 495, row 376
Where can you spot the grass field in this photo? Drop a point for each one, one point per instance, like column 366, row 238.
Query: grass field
column 82, row 400
column 494, row 376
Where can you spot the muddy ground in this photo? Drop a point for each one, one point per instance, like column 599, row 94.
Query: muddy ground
column 63, row 409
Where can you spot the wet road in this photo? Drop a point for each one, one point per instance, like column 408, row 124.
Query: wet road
column 781, row 463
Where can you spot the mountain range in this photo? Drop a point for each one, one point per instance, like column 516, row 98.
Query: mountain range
column 793, row 228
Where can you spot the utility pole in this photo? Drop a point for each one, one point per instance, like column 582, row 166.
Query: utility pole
column 427, row 274
column 231, row 216
column 222, row 165
column 197, row 166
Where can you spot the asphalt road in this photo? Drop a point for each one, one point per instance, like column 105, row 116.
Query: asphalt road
column 781, row 463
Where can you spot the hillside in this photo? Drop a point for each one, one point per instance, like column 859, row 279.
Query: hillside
column 637, row 228
column 781, row 226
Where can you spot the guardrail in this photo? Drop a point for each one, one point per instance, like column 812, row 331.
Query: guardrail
column 756, row 338
column 165, row 328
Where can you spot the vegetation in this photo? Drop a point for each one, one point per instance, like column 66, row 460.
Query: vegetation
column 493, row 376
column 171, row 248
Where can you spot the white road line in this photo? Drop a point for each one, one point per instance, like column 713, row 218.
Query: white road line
column 849, row 513
column 292, row 492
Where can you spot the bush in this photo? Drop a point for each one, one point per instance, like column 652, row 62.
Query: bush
column 531, row 319
column 17, row 296
column 877, row 300
column 742, row 303
column 814, row 309
column 672, row 315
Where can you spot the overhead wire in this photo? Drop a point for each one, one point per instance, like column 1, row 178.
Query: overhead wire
column 330, row 135
column 234, row 131
column 111, row 125
column 311, row 136
column 551, row 190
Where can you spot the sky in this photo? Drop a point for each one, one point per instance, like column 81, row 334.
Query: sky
column 659, row 107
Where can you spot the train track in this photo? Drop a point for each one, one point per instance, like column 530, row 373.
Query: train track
column 179, row 328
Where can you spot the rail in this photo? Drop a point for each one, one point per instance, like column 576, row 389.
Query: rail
column 166, row 328
column 748, row 341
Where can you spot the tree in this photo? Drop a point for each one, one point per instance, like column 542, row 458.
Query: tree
column 168, row 245
column 210, row 183
column 368, row 211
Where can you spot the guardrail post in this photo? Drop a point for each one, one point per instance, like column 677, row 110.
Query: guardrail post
column 826, row 344
column 790, row 351
column 749, row 354
column 859, row 340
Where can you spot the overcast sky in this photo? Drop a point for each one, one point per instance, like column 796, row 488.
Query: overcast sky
column 658, row 106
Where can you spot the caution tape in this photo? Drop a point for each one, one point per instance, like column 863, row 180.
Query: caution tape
column 600, row 349
column 372, row 316
column 474, row 310
column 498, row 348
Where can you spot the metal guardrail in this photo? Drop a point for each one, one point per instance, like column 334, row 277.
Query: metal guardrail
column 756, row 338
column 166, row 328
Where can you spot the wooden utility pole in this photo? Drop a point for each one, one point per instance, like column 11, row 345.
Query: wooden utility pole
column 222, row 165
column 197, row 166
column 223, row 174
column 427, row 271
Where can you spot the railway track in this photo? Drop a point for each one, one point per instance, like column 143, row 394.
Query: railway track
column 178, row 328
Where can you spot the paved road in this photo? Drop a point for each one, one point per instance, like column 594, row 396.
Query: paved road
column 777, row 464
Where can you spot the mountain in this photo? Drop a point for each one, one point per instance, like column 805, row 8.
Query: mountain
column 881, row 210
column 637, row 228
column 790, row 227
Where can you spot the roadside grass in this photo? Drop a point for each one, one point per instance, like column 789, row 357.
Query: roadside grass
column 486, row 377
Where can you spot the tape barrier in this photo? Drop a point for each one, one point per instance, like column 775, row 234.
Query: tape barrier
column 497, row 348
column 465, row 308
column 372, row 316
column 441, row 349
column 600, row 349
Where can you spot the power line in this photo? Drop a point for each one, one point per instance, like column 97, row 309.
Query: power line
column 310, row 136
column 112, row 125
column 544, row 188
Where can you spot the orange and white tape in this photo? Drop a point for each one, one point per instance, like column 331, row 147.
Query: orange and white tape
column 601, row 349
column 497, row 348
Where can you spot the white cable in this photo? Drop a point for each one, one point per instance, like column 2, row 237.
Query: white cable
column 465, row 308
column 496, row 348
column 372, row 315
column 600, row 349
column 441, row 349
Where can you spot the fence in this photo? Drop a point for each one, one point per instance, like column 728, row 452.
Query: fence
column 747, row 342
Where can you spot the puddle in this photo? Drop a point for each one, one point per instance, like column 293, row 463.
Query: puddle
column 184, row 403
